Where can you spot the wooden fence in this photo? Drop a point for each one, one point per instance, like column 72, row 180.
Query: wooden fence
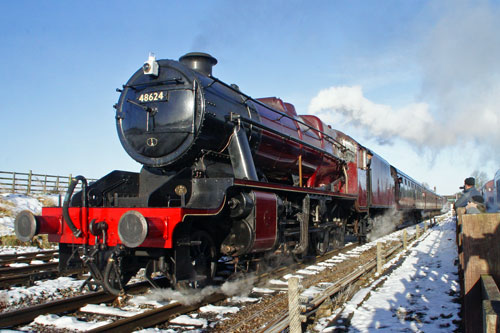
column 478, row 239
column 31, row 183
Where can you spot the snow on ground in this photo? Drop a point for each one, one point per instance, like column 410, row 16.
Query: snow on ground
column 186, row 320
column 67, row 322
column 219, row 309
column 418, row 296
column 243, row 299
column 111, row 311
column 50, row 289
column 21, row 249
column 16, row 203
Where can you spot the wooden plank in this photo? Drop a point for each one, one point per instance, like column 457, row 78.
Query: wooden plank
column 491, row 323
column 460, row 212
column 481, row 255
column 489, row 288
column 19, row 182
column 491, row 304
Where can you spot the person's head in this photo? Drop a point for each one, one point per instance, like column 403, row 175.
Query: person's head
column 476, row 201
column 469, row 182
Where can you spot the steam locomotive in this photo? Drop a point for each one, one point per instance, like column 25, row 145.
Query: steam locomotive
column 491, row 194
column 223, row 174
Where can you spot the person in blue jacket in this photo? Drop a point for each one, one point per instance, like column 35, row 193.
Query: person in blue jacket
column 469, row 192
column 476, row 205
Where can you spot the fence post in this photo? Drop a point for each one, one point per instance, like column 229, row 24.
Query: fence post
column 425, row 226
column 30, row 174
column 417, row 231
column 57, row 184
column 13, row 182
column 405, row 240
column 379, row 258
column 293, row 305
column 45, row 184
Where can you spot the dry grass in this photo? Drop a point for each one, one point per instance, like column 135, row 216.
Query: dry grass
column 6, row 203
column 5, row 211
column 6, row 208
column 39, row 241
column 46, row 202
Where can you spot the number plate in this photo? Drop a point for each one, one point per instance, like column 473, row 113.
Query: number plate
column 153, row 96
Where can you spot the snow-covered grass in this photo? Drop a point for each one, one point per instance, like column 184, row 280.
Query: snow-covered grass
column 13, row 204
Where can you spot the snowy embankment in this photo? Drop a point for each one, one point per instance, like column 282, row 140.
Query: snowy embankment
column 419, row 295
column 12, row 204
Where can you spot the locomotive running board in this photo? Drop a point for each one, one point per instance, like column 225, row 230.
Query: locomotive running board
column 296, row 189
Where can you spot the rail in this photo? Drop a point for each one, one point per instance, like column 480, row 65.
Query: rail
column 32, row 183
column 26, row 315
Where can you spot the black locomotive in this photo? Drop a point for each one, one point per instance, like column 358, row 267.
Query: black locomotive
column 223, row 175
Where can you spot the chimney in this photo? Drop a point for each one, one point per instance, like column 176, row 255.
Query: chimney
column 200, row 62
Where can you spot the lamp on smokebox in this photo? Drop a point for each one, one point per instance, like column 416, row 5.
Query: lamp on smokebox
column 181, row 191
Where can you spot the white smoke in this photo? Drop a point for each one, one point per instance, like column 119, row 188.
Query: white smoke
column 185, row 297
column 238, row 287
column 384, row 224
column 413, row 123
column 460, row 97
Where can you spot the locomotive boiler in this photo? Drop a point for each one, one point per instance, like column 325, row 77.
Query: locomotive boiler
column 223, row 174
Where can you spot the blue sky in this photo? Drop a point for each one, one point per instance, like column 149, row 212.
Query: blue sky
column 60, row 63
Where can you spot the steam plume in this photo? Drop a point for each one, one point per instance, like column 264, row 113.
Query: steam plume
column 459, row 101
column 380, row 120
column 239, row 287
column 384, row 224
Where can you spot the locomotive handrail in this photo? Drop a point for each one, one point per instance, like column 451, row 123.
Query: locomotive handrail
column 334, row 141
column 237, row 117
column 154, row 83
column 76, row 232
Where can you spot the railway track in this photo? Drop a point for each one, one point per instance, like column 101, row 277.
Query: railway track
column 6, row 259
column 43, row 268
column 148, row 318
column 274, row 315
column 275, row 304
column 156, row 316
column 26, row 315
